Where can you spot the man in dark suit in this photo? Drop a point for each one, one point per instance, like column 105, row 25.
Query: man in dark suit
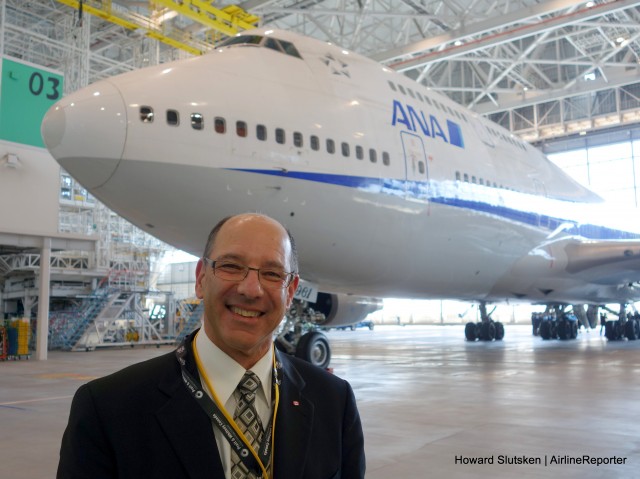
column 154, row 419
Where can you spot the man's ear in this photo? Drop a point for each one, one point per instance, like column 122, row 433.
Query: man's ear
column 200, row 271
column 291, row 289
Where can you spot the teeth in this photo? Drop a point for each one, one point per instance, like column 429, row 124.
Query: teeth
column 245, row 313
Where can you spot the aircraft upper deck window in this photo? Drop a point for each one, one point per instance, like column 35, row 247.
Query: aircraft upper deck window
column 402, row 90
column 331, row 146
column 428, row 100
column 411, row 93
column 386, row 161
column 173, row 118
column 373, row 155
column 146, row 114
column 392, row 85
column 359, row 152
column 220, row 125
column 280, row 138
column 241, row 129
column 345, row 149
column 261, row 132
column 297, row 139
column 457, row 176
column 197, row 121
column 315, row 142
column 421, row 167
column 419, row 96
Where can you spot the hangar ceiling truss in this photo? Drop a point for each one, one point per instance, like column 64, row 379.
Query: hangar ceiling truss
column 542, row 69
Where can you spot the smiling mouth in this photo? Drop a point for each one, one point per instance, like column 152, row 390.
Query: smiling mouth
column 244, row 312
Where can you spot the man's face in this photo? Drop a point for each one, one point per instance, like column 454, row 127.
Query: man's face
column 240, row 317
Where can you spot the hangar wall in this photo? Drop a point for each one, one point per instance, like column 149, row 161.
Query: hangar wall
column 29, row 190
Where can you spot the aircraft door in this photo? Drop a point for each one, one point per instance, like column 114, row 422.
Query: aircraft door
column 415, row 158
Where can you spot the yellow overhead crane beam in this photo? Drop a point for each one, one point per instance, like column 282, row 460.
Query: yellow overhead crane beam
column 229, row 21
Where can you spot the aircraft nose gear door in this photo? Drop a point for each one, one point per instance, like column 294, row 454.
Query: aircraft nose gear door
column 415, row 162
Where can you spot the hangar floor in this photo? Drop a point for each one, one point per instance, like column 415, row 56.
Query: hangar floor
column 430, row 402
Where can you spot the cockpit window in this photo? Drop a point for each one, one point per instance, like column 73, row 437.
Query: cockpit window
column 242, row 40
column 289, row 48
column 281, row 46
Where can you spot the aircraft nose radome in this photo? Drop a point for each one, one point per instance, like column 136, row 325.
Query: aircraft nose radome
column 86, row 131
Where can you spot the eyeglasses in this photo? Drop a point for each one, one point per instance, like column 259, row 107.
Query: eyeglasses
column 272, row 278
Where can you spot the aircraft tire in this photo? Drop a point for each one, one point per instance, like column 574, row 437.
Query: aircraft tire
column 499, row 331
column 314, row 348
column 470, row 332
column 565, row 329
column 488, row 331
column 545, row 329
column 612, row 330
column 631, row 329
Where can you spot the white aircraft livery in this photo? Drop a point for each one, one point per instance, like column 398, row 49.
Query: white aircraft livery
column 390, row 189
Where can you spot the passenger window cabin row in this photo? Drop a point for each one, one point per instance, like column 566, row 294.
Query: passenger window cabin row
column 242, row 130
column 280, row 135
column 465, row 177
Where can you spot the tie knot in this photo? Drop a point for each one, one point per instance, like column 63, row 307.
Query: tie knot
column 249, row 383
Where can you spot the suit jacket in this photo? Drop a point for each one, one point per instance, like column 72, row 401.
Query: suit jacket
column 142, row 423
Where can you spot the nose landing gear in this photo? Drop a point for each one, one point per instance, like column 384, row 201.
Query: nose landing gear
column 486, row 330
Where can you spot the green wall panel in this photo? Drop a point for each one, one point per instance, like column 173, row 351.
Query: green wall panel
column 26, row 94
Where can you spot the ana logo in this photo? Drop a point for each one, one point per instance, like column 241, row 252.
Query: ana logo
column 418, row 122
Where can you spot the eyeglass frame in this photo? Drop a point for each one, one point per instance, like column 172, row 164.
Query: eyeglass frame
column 289, row 274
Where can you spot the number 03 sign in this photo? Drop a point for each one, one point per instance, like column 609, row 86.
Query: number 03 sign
column 26, row 93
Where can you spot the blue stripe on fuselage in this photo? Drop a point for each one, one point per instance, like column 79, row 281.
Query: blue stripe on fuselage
column 420, row 190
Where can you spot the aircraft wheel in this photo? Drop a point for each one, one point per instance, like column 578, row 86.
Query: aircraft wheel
column 631, row 329
column 314, row 348
column 564, row 329
column 499, row 331
column 488, row 331
column 545, row 329
column 610, row 330
column 470, row 332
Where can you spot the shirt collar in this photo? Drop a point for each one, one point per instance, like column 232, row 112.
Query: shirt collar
column 224, row 373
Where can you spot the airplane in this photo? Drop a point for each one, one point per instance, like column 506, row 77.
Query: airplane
column 390, row 189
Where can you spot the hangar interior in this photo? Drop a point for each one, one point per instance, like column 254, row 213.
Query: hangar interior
column 562, row 75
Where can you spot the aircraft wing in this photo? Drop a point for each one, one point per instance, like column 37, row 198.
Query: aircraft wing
column 611, row 262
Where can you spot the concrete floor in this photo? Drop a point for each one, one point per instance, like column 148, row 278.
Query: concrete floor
column 425, row 395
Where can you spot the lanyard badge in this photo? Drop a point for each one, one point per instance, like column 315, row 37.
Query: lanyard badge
column 255, row 461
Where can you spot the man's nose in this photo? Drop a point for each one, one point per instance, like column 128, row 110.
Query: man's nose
column 250, row 286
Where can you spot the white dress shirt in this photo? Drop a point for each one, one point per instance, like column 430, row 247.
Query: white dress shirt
column 224, row 375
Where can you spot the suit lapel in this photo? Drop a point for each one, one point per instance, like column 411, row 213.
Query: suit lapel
column 293, row 424
column 187, row 427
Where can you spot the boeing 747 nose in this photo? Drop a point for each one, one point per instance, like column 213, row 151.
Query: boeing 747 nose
column 86, row 131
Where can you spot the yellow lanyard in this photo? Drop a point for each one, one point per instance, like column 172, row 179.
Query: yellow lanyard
column 230, row 420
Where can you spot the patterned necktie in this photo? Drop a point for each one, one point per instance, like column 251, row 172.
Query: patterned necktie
column 247, row 419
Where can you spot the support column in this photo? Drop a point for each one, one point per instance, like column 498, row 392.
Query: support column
column 42, row 332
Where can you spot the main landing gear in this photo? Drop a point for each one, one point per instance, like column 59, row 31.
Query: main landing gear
column 626, row 326
column 299, row 335
column 485, row 330
column 559, row 323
